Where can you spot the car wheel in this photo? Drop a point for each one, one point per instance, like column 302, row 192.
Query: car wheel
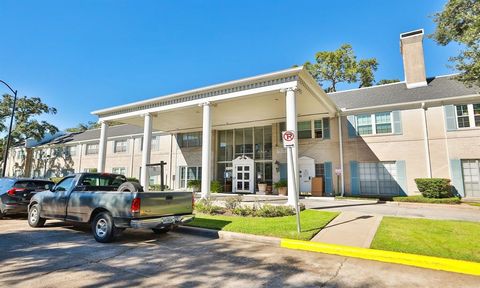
column 161, row 230
column 103, row 228
column 34, row 219
column 1, row 214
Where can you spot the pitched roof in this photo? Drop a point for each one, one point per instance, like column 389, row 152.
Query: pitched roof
column 396, row 93
column 94, row 134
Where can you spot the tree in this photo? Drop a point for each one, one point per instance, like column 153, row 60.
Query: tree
column 460, row 22
column 333, row 67
column 26, row 126
column 366, row 68
column 387, row 81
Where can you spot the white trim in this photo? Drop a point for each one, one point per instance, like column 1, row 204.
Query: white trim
column 285, row 72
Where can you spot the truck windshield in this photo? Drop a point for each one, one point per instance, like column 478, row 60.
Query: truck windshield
column 111, row 180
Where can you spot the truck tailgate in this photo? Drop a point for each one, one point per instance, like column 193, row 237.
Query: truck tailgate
column 165, row 203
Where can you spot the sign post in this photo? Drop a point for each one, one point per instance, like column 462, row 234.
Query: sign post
column 289, row 142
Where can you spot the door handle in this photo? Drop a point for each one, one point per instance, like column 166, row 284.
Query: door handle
column 169, row 197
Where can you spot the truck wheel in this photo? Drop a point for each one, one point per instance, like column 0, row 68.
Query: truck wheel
column 102, row 227
column 161, row 230
column 130, row 187
column 34, row 219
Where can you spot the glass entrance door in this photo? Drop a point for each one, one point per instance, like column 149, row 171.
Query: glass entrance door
column 243, row 178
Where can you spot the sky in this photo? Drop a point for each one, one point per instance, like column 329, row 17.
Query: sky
column 83, row 55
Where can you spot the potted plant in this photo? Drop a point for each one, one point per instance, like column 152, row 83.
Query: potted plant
column 281, row 186
column 262, row 187
column 194, row 185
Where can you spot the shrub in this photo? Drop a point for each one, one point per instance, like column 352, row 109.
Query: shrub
column 195, row 184
column 233, row 202
column 216, row 187
column 268, row 210
column 434, row 187
column 206, row 206
column 244, row 210
column 157, row 187
column 132, row 179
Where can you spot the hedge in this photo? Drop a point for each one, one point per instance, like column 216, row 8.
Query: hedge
column 434, row 187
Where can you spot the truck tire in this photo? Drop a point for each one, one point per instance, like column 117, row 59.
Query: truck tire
column 130, row 187
column 34, row 219
column 103, row 229
column 161, row 230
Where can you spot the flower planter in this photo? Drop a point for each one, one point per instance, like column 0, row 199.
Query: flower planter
column 283, row 191
column 262, row 188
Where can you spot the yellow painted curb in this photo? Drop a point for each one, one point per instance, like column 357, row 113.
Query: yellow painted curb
column 436, row 263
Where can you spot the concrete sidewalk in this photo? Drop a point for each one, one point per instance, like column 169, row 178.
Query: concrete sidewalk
column 351, row 229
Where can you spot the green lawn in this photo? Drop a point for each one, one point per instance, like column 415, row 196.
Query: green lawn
column 441, row 238
column 473, row 203
column 284, row 227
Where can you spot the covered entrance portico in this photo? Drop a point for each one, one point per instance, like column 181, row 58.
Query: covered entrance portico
column 263, row 101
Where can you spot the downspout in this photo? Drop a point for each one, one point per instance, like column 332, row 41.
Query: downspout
column 171, row 164
column 425, row 140
column 340, row 143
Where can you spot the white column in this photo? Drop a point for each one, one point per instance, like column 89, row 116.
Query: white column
column 102, row 147
column 147, row 145
column 291, row 111
column 340, row 142
column 425, row 141
column 206, row 150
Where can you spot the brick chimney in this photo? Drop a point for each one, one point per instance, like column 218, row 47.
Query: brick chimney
column 411, row 47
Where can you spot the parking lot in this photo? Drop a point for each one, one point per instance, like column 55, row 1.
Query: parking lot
column 61, row 255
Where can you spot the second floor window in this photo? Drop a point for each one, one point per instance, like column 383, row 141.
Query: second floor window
column 192, row 139
column 120, row 146
column 92, row 149
column 378, row 123
column 468, row 115
column 70, row 151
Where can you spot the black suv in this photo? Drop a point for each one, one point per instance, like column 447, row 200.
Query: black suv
column 15, row 193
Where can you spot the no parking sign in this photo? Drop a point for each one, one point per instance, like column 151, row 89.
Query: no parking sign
column 288, row 138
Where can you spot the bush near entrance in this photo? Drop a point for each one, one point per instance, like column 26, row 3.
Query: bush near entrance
column 421, row 199
column 434, row 187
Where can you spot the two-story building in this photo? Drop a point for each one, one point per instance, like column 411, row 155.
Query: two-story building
column 370, row 141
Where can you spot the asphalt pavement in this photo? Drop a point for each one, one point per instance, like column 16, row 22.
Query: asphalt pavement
column 62, row 255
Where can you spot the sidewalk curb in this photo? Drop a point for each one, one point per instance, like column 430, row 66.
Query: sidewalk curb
column 434, row 263
column 227, row 235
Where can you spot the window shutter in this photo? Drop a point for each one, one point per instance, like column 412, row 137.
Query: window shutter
column 397, row 122
column 352, row 129
column 450, row 117
column 326, row 128
column 354, row 178
column 457, row 179
column 283, row 171
column 402, row 177
column 328, row 178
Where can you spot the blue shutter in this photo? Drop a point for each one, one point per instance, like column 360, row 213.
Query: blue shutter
column 328, row 178
column 352, row 127
column 402, row 177
column 354, row 178
column 397, row 122
column 326, row 128
column 283, row 171
column 450, row 117
column 457, row 179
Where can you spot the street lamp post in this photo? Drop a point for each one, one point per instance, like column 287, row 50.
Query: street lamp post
column 5, row 154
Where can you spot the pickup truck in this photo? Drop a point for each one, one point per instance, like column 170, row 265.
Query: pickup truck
column 110, row 204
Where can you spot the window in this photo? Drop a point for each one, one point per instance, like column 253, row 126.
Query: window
column 92, row 149
column 120, row 146
column 463, row 119
column 65, row 184
column 186, row 140
column 378, row 178
column 90, row 170
column 371, row 124
column 319, row 170
column 468, row 115
column 318, row 128
column 102, row 180
column 189, row 173
column 70, row 151
column 304, row 129
column 155, row 143
column 119, row 170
